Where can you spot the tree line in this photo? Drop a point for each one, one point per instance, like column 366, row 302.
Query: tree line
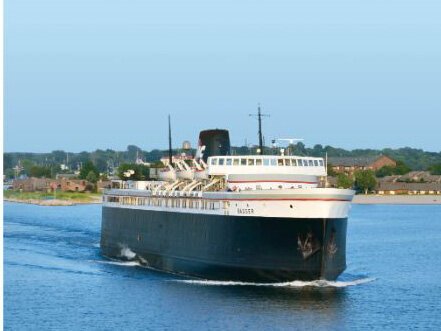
column 108, row 161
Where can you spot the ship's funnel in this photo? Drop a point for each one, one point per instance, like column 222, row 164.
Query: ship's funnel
column 213, row 143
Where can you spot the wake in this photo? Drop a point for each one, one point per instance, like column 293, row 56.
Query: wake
column 122, row 263
column 293, row 284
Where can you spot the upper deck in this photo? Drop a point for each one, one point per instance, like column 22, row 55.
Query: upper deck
column 266, row 164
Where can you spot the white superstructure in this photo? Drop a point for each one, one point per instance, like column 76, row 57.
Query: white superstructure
column 266, row 186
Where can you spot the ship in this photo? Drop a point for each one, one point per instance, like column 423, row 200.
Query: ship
column 252, row 218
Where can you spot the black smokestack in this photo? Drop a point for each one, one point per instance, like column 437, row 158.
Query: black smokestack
column 216, row 142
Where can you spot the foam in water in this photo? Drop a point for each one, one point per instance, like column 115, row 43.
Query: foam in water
column 296, row 283
column 127, row 253
column 122, row 263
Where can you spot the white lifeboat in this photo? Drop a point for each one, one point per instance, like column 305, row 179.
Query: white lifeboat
column 168, row 174
column 200, row 168
column 184, row 171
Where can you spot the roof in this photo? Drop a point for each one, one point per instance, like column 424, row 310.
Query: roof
column 353, row 161
column 388, row 186
column 413, row 176
column 417, row 175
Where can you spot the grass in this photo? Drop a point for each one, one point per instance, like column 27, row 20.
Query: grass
column 68, row 196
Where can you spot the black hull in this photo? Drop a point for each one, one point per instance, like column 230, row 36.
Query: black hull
column 244, row 248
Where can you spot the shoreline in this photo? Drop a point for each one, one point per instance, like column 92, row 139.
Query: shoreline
column 362, row 199
column 52, row 202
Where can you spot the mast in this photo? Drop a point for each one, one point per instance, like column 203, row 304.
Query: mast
column 170, row 155
column 259, row 119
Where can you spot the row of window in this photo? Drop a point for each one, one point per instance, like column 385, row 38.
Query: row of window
column 265, row 162
column 164, row 202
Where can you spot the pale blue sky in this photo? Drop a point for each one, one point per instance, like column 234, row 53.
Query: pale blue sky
column 87, row 74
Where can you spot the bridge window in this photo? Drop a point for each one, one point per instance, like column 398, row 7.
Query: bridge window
column 221, row 161
column 266, row 162
column 287, row 162
column 280, row 162
column 316, row 163
column 250, row 162
column 321, row 163
column 236, row 162
column 228, row 162
column 243, row 162
column 258, row 162
column 213, row 161
column 311, row 164
column 305, row 163
column 273, row 162
column 294, row 162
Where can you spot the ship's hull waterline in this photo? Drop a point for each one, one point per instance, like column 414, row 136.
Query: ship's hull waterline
column 219, row 247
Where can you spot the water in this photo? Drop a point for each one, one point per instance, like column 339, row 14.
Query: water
column 55, row 278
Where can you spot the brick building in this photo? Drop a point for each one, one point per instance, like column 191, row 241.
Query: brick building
column 46, row 184
column 68, row 185
column 349, row 165
column 31, row 184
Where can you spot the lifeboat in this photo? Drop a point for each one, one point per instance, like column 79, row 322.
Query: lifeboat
column 200, row 170
column 168, row 174
column 184, row 171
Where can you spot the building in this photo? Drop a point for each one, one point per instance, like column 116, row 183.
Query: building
column 393, row 188
column 101, row 185
column 415, row 182
column 69, row 185
column 349, row 165
column 31, row 184
column 66, row 176
column 142, row 162
column 419, row 176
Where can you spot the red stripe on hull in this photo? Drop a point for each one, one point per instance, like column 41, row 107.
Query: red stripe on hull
column 280, row 199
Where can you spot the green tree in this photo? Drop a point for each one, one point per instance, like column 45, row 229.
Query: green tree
column 40, row 172
column 435, row 169
column 92, row 177
column 317, row 151
column 385, row 171
column 140, row 172
column 299, row 149
column 400, row 169
column 88, row 167
column 365, row 180
column 27, row 165
column 344, row 181
column 132, row 151
column 8, row 161
column 9, row 173
column 331, row 171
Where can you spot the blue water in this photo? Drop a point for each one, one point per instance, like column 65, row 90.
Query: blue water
column 55, row 278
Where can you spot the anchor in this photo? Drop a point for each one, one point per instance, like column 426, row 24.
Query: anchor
column 308, row 246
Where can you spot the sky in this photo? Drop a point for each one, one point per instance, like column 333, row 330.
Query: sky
column 88, row 74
